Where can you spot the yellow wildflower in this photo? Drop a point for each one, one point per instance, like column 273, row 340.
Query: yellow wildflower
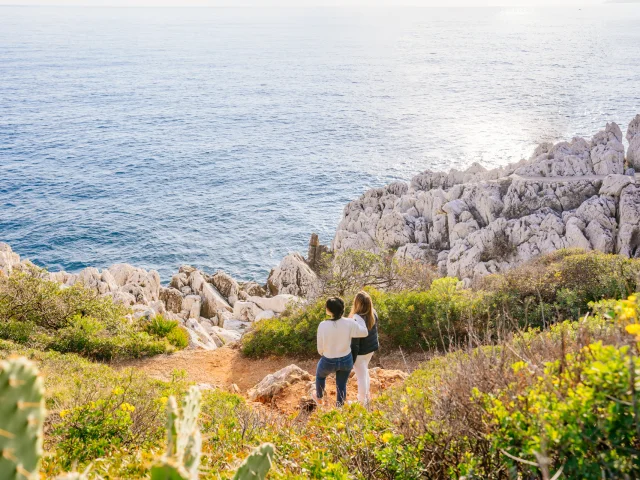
column 64, row 413
column 387, row 436
column 127, row 407
column 633, row 329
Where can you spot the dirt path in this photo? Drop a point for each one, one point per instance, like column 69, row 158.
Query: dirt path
column 226, row 366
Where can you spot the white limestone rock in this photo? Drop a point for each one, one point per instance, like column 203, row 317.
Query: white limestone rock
column 274, row 383
column 142, row 284
column 277, row 304
column 226, row 285
column 607, row 151
column 8, row 259
column 246, row 311
column 202, row 337
column 613, row 184
column 265, row 315
column 172, row 299
column 191, row 306
column 598, row 213
column 293, row 277
column 227, row 336
column 236, row 326
column 628, row 241
column 633, row 137
column 212, row 300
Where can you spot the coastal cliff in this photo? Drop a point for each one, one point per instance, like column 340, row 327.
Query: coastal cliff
column 581, row 194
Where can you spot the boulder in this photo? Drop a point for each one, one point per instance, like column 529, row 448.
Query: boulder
column 252, row 289
column 613, row 184
column 628, row 241
column 172, row 299
column 236, row 325
column 246, row 311
column 633, row 137
column 200, row 336
column 265, row 315
column 226, row 285
column 179, row 281
column 277, row 304
column 142, row 284
column 227, row 336
column 8, row 259
column 273, row 384
column 212, row 300
column 607, row 151
column 294, row 277
column 191, row 306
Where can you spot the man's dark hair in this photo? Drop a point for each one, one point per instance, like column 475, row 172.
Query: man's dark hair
column 336, row 306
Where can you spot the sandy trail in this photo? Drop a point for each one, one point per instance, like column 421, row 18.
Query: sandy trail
column 226, row 366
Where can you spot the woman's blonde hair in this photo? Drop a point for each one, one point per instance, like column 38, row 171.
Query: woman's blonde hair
column 363, row 306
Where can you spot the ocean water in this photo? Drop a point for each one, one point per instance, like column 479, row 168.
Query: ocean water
column 224, row 137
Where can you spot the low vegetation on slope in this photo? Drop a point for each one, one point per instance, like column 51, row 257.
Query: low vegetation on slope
column 40, row 313
column 545, row 291
column 536, row 403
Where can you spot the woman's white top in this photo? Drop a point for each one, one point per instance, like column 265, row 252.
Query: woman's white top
column 334, row 336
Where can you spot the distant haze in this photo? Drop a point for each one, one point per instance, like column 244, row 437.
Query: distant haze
column 314, row 3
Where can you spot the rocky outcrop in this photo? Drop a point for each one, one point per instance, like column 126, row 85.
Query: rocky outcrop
column 293, row 277
column 226, row 285
column 8, row 259
column 274, row 384
column 471, row 223
column 633, row 137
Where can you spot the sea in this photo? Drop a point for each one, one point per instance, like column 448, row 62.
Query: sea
column 223, row 137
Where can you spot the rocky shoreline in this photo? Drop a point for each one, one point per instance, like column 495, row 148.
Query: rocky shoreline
column 580, row 194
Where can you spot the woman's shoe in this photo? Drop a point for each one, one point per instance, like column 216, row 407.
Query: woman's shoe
column 319, row 401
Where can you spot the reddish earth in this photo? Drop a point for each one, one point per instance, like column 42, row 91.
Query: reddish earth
column 226, row 367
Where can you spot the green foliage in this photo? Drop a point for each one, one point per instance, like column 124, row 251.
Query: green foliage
column 38, row 312
column 579, row 414
column 31, row 297
column 95, row 429
column 20, row 332
column 21, row 418
column 548, row 290
column 89, row 337
column 160, row 326
column 348, row 272
column 178, row 337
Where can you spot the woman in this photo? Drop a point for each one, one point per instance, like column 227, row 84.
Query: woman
column 362, row 348
column 334, row 344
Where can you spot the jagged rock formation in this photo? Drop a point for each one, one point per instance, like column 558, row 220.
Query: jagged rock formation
column 633, row 137
column 208, row 306
column 471, row 223
column 293, row 277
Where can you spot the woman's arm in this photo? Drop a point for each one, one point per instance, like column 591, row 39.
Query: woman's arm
column 320, row 341
column 359, row 328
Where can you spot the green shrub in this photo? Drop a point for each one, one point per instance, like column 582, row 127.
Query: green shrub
column 178, row 337
column 160, row 326
column 95, row 429
column 545, row 291
column 20, row 332
column 90, row 338
column 579, row 415
column 31, row 297
column 42, row 314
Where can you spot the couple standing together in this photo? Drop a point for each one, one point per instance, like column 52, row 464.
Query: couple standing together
column 346, row 344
